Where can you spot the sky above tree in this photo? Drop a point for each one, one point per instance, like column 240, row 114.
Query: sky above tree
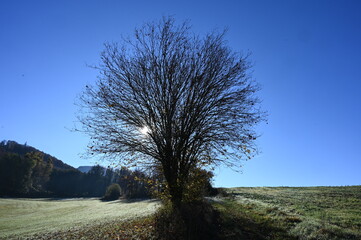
column 306, row 56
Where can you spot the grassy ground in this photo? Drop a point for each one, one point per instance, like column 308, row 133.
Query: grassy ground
column 25, row 217
column 248, row 213
column 292, row 213
column 136, row 229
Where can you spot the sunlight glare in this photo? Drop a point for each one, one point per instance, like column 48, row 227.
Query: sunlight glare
column 144, row 130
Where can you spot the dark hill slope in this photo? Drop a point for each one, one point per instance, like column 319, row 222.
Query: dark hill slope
column 22, row 149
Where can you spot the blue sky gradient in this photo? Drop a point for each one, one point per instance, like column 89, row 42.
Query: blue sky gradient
column 306, row 56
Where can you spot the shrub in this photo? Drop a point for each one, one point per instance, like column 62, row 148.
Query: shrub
column 113, row 192
column 199, row 185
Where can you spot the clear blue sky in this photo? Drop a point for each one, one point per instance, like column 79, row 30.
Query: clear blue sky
column 306, row 54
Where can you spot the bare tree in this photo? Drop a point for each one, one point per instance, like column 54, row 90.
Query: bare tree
column 172, row 100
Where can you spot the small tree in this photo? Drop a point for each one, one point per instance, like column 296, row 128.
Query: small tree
column 172, row 101
column 113, row 192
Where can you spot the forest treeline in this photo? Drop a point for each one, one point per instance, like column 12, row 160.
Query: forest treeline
column 27, row 172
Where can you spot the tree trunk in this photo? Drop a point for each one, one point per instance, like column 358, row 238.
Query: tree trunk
column 175, row 188
column 176, row 193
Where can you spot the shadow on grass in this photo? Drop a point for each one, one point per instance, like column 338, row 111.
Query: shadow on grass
column 223, row 220
column 243, row 228
column 192, row 221
column 238, row 223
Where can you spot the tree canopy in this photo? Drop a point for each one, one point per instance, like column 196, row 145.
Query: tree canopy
column 172, row 101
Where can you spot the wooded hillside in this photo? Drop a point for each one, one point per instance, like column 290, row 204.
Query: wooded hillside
column 28, row 172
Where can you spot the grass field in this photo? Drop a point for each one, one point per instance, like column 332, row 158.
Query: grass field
column 329, row 213
column 26, row 217
column 293, row 213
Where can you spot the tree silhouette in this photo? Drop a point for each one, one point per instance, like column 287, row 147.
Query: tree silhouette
column 173, row 101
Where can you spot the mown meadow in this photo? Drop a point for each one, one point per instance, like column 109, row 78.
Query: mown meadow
column 245, row 213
